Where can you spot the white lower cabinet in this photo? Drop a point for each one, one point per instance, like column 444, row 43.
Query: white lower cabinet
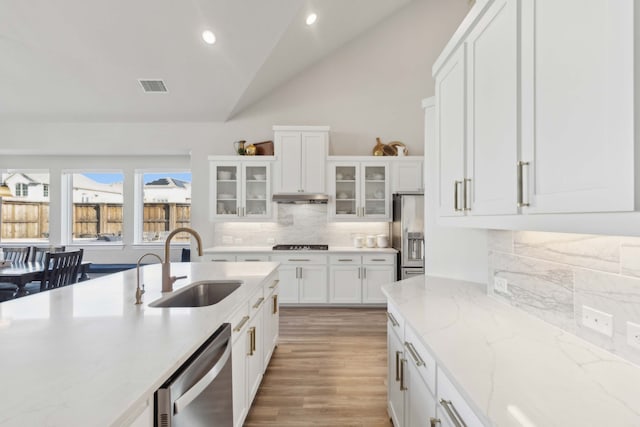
column 415, row 397
column 359, row 279
column 303, row 278
column 255, row 330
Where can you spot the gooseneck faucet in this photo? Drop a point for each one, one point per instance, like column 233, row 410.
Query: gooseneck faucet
column 167, row 278
column 140, row 289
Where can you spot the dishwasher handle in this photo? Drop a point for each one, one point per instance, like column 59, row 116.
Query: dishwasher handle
column 183, row 401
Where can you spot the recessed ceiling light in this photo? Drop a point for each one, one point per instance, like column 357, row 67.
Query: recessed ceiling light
column 311, row 18
column 208, row 37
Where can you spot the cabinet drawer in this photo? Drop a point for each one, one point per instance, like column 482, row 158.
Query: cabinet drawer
column 451, row 401
column 418, row 353
column 239, row 321
column 395, row 321
column 345, row 259
column 297, row 258
column 253, row 257
column 379, row 259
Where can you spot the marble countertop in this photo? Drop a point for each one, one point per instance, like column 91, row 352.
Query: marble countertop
column 332, row 249
column 515, row 369
column 86, row 355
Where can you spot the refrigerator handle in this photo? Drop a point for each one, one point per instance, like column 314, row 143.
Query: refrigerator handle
column 183, row 401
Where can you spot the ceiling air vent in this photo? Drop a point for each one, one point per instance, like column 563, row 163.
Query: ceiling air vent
column 153, row 85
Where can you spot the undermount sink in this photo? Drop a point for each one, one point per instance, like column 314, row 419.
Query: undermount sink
column 199, row 294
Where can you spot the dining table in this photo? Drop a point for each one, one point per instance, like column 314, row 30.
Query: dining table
column 22, row 273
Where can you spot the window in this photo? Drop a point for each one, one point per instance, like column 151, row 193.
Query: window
column 24, row 216
column 22, row 190
column 45, row 190
column 96, row 212
column 166, row 205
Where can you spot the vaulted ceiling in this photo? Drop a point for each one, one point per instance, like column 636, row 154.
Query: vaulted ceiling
column 80, row 60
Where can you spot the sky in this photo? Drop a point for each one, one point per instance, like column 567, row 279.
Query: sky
column 109, row 178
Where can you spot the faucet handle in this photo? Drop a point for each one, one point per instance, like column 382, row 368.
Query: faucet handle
column 139, row 292
column 174, row 278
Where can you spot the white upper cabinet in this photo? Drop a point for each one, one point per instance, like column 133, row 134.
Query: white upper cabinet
column 578, row 105
column 302, row 153
column 451, row 130
column 360, row 190
column 407, row 174
column 240, row 189
column 535, row 112
column 492, row 106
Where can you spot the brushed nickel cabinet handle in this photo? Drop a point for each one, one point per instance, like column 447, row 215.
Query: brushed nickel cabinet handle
column 452, row 412
column 275, row 304
column 378, row 260
column 359, row 274
column 257, row 304
column 393, row 320
column 251, row 260
column 275, row 283
column 521, row 186
column 403, row 387
column 414, row 354
column 466, row 194
column 345, row 260
column 251, row 332
column 299, row 260
column 456, row 196
column 398, row 354
column 244, row 320
column 364, row 272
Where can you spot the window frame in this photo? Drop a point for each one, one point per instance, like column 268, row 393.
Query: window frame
column 27, row 171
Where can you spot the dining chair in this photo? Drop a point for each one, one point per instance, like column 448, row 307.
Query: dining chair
column 38, row 253
column 13, row 254
column 63, row 269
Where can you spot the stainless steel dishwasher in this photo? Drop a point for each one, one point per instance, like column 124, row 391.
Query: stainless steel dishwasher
column 200, row 392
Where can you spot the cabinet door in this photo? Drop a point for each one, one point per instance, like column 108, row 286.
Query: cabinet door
column 374, row 276
column 406, row 176
column 313, row 284
column 270, row 320
column 578, row 124
column 226, row 193
column 492, row 100
column 395, row 394
column 345, row 284
column 289, row 151
column 451, row 130
column 314, row 155
column 288, row 283
column 420, row 404
column 345, row 190
column 239, row 375
column 255, row 362
column 256, row 190
column 375, row 191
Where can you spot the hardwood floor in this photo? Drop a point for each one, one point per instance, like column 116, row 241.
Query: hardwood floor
column 329, row 369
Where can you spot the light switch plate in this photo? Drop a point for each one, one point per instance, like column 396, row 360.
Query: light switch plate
column 597, row 320
column 633, row 335
column 500, row 284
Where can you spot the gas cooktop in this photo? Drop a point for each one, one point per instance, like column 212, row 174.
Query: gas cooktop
column 301, row 248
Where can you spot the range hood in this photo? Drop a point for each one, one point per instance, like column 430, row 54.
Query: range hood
column 301, row 198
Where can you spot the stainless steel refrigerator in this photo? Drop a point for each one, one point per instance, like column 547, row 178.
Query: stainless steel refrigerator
column 408, row 233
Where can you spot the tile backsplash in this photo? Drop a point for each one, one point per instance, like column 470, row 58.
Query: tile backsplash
column 295, row 224
column 553, row 275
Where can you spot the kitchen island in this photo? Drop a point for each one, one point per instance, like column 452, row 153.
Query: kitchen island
column 501, row 366
column 86, row 355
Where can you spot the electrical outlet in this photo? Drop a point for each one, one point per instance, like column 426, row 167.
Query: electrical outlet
column 500, row 284
column 633, row 334
column 597, row 320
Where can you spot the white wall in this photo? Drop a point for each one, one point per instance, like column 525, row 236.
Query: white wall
column 371, row 87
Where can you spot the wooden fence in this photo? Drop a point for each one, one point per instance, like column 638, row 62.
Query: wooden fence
column 102, row 221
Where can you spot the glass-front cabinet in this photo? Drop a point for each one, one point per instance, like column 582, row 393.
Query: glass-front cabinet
column 359, row 190
column 240, row 190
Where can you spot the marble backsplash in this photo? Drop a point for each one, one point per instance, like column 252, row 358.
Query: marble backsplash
column 295, row 224
column 553, row 275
